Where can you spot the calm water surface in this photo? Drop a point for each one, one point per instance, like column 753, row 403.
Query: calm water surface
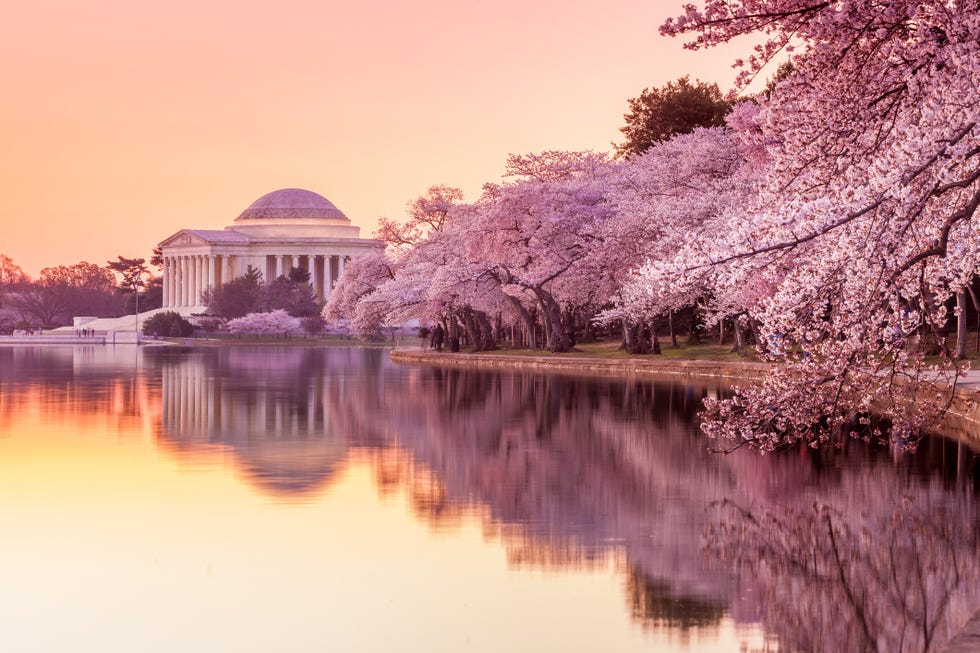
column 326, row 500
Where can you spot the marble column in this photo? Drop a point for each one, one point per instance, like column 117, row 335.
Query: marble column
column 189, row 273
column 195, row 279
column 204, row 278
column 211, row 268
column 181, row 281
column 168, row 276
column 315, row 276
column 166, row 280
column 192, row 288
column 188, row 280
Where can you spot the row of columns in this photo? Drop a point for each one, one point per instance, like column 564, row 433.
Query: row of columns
column 196, row 407
column 186, row 278
column 324, row 270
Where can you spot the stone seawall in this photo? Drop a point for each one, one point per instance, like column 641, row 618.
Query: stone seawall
column 51, row 340
column 962, row 421
column 727, row 373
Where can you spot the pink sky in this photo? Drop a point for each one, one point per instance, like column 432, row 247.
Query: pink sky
column 123, row 122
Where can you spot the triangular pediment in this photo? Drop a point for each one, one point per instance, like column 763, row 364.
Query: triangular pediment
column 183, row 238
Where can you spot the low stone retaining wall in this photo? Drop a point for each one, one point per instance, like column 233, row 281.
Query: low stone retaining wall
column 962, row 421
column 51, row 340
column 101, row 338
column 667, row 369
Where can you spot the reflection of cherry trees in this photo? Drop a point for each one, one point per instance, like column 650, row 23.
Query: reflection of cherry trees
column 570, row 471
column 869, row 562
column 573, row 470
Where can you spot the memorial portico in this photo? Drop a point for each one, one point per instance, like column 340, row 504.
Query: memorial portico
column 289, row 228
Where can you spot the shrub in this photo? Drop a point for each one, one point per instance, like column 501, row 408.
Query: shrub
column 168, row 323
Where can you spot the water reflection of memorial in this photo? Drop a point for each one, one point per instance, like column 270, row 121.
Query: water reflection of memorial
column 274, row 412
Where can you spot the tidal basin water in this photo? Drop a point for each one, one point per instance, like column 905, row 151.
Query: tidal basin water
column 301, row 499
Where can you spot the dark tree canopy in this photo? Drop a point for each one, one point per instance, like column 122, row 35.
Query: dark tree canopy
column 168, row 323
column 65, row 291
column 131, row 272
column 298, row 275
column 677, row 108
column 290, row 295
column 236, row 298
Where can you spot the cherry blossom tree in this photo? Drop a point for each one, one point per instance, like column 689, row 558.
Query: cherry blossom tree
column 360, row 279
column 671, row 203
column 868, row 211
column 531, row 232
column 274, row 323
column 426, row 214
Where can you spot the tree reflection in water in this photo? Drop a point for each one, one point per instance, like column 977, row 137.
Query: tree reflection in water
column 885, row 561
column 872, row 560
column 861, row 549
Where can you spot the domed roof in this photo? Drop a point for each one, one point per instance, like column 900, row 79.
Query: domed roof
column 292, row 203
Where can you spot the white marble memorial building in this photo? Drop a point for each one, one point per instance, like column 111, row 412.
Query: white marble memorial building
column 286, row 228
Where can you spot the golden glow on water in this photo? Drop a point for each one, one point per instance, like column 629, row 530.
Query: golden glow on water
column 112, row 541
column 238, row 499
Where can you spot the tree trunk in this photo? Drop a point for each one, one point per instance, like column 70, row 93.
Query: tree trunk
column 738, row 346
column 976, row 307
column 693, row 338
column 557, row 338
column 487, row 340
column 960, row 324
column 670, row 328
column 630, row 344
column 639, row 339
column 588, row 329
column 470, row 327
column 525, row 316
column 453, row 333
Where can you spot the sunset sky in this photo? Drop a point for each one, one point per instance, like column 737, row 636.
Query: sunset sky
column 123, row 122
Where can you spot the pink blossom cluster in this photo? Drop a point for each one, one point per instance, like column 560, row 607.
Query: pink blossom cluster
column 865, row 225
column 273, row 323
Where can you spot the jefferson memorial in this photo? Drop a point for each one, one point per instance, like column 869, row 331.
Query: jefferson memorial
column 283, row 229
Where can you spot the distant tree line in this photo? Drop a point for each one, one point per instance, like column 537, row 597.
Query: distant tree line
column 62, row 292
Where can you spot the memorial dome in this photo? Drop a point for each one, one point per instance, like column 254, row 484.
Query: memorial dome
column 292, row 203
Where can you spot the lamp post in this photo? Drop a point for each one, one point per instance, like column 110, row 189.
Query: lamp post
column 136, row 292
column 132, row 271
